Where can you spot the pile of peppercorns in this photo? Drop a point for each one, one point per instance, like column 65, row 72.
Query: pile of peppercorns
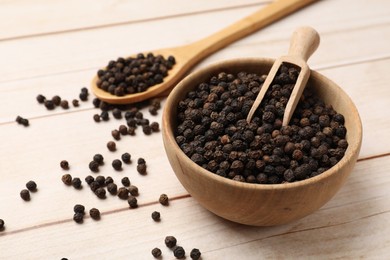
column 134, row 74
column 212, row 130
column 178, row 251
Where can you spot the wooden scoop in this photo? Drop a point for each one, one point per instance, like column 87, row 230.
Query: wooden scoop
column 304, row 42
column 189, row 55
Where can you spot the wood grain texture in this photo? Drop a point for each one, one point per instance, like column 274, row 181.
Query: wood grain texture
column 51, row 47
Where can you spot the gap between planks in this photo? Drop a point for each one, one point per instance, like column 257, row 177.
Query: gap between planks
column 186, row 196
column 117, row 24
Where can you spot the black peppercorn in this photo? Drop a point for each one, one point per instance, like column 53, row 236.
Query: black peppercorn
column 25, row 195
column 67, row 179
column 156, row 252
column 155, row 127
column 56, row 100
column 93, row 166
column 141, row 161
column 108, row 180
column 112, row 188
column 31, row 186
column 195, row 254
column 64, row 104
column 170, row 241
column 117, row 113
column 64, row 165
column 94, row 186
column 96, row 102
column 78, row 217
column 1, row 224
column 96, row 118
column 146, row 129
column 41, row 99
column 22, row 121
column 179, row 252
column 133, row 190
column 83, row 96
column 156, row 216
column 141, row 168
column 89, row 179
column 94, row 213
column 98, row 158
column 123, row 193
column 123, row 130
column 76, row 183
column 100, row 193
column 111, row 146
column 164, row 199
column 133, row 203
column 115, row 134
column 75, row 103
column 49, row 104
column 78, row 208
column 125, row 181
column 101, row 180
column 104, row 116
column 117, row 164
column 126, row 158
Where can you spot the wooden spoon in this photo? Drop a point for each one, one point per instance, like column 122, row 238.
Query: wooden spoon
column 304, row 42
column 189, row 55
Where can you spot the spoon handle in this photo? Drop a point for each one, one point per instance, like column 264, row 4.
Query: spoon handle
column 245, row 26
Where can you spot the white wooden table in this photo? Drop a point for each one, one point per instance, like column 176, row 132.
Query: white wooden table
column 55, row 47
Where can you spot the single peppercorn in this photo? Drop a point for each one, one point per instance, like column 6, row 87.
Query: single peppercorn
column 112, row 188
column 67, row 179
column 170, row 241
column 2, row 224
column 41, row 99
column 155, row 127
column 133, row 203
column 64, row 165
column 96, row 102
column 146, row 129
column 98, row 158
column 125, row 181
column 94, row 186
column 133, row 190
column 115, row 134
column 141, row 161
column 117, row 113
column 96, row 118
column 117, row 164
column 31, row 186
column 89, row 179
column 111, row 146
column 100, row 193
column 156, row 216
column 49, row 104
column 93, row 166
column 75, row 103
column 78, row 208
column 76, row 183
column 25, row 195
column 108, row 180
column 94, row 213
column 78, row 217
column 123, row 193
column 195, row 254
column 56, row 100
column 104, row 116
column 141, row 168
column 101, row 180
column 83, row 96
column 156, row 252
column 126, row 158
column 22, row 121
column 64, row 104
column 179, row 252
column 163, row 199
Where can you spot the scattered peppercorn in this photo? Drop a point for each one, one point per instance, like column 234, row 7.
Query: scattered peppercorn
column 156, row 252
column 146, row 129
column 111, row 146
column 104, row 116
column 75, row 103
column 125, row 181
column 112, row 188
column 93, row 166
column 22, row 121
column 41, row 99
column 117, row 164
column 25, row 195
column 117, row 113
column 94, row 213
column 123, row 130
column 195, row 254
column 98, row 158
column 31, row 186
column 2, row 224
column 67, row 179
column 155, row 127
column 78, row 217
column 64, row 165
column 83, row 96
column 96, row 118
column 49, row 104
column 56, row 100
column 170, row 241
column 179, row 252
column 96, row 102
column 141, row 168
column 123, row 193
column 76, row 183
column 94, row 186
column 64, row 104
column 126, row 158
column 156, row 216
column 163, row 199
column 78, row 208
column 133, row 203
column 89, row 179
column 101, row 180
column 133, row 190
column 131, row 130
column 100, row 193
column 115, row 134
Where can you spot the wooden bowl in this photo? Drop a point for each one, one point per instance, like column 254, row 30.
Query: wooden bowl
column 261, row 204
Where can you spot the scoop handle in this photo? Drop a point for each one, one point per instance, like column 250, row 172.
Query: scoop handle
column 304, row 42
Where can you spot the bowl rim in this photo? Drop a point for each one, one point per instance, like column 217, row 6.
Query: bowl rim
column 168, row 132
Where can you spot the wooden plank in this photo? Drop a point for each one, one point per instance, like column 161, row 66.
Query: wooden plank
column 29, row 18
column 354, row 224
column 80, row 50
